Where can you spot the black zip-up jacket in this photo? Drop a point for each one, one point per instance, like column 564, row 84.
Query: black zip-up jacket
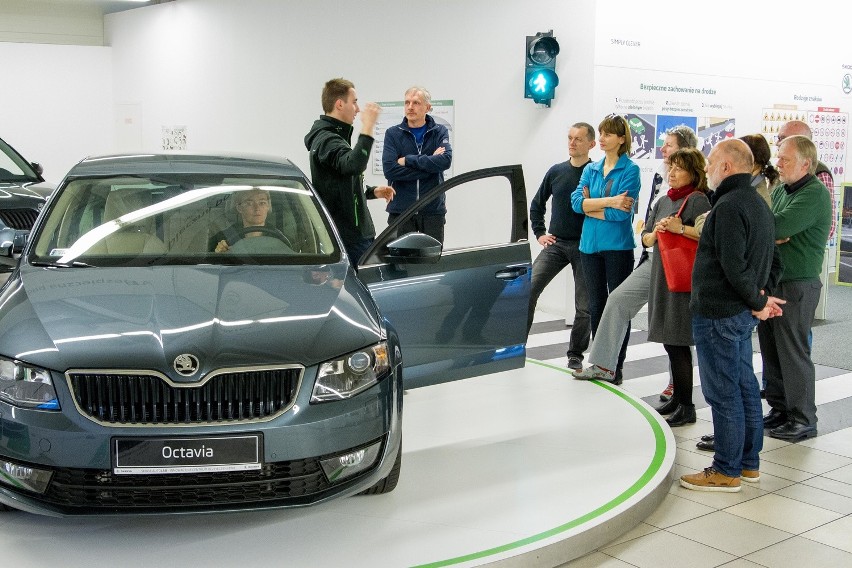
column 337, row 173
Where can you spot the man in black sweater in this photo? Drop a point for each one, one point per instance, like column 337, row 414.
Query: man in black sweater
column 562, row 243
column 737, row 260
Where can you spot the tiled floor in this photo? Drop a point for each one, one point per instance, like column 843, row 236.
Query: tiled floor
column 798, row 515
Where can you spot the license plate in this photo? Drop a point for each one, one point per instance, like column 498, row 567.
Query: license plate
column 134, row 456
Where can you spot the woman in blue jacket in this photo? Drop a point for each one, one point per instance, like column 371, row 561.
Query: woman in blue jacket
column 606, row 194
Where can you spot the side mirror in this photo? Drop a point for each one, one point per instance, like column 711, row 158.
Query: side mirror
column 413, row 248
column 37, row 168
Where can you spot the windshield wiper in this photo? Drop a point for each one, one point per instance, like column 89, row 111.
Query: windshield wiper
column 72, row 264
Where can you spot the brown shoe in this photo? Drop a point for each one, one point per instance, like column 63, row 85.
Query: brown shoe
column 710, row 480
column 751, row 475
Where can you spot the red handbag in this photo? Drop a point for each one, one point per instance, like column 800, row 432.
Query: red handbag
column 678, row 255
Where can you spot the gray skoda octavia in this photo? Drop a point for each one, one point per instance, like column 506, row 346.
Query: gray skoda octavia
column 185, row 334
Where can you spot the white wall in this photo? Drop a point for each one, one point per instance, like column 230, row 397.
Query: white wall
column 247, row 75
column 56, row 103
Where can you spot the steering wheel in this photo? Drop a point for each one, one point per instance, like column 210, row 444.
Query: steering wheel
column 268, row 231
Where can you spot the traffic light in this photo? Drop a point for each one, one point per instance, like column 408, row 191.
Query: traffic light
column 541, row 80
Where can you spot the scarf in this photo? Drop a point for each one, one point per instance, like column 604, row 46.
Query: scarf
column 680, row 193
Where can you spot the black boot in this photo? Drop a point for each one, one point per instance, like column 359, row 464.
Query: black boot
column 683, row 415
column 669, row 407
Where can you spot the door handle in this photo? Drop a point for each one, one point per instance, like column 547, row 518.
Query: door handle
column 511, row 273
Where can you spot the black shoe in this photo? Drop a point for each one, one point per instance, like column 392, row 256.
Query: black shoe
column 706, row 446
column 575, row 363
column 708, row 437
column 774, row 419
column 668, row 407
column 793, row 431
column 618, row 379
column 683, row 415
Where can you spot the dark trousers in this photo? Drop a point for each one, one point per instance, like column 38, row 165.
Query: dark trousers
column 432, row 225
column 604, row 271
column 355, row 249
column 786, row 352
column 550, row 262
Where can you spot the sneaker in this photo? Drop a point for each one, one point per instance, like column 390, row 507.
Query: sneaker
column 593, row 373
column 666, row 395
column 751, row 475
column 710, row 480
column 575, row 363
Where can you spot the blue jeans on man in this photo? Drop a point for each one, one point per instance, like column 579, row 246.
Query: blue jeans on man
column 731, row 388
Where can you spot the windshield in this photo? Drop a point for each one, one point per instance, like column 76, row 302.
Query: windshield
column 137, row 220
column 13, row 168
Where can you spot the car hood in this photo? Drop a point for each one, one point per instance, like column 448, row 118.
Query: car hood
column 143, row 318
column 10, row 190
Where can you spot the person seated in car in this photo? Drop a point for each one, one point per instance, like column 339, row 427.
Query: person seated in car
column 253, row 207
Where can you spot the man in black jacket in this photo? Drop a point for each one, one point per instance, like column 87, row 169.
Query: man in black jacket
column 737, row 260
column 337, row 169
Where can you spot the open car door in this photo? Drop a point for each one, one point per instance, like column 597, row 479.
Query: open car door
column 460, row 308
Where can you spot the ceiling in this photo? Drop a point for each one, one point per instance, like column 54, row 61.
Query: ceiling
column 107, row 6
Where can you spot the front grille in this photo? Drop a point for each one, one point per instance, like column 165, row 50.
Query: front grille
column 20, row 219
column 296, row 482
column 97, row 489
column 140, row 399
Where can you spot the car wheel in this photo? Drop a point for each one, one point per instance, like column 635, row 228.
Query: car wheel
column 387, row 484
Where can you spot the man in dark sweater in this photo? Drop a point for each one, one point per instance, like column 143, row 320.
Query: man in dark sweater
column 802, row 214
column 562, row 243
column 736, row 262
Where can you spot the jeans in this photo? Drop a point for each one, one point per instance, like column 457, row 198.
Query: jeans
column 731, row 388
column 549, row 262
column 604, row 271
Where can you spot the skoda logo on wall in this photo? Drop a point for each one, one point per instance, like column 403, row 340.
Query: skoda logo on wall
column 847, row 83
column 186, row 365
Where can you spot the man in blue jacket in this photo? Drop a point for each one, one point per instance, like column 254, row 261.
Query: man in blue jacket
column 415, row 155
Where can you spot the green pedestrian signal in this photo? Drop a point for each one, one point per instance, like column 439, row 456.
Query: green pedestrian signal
column 540, row 62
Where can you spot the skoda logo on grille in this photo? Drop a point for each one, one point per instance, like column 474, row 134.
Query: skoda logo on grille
column 186, row 365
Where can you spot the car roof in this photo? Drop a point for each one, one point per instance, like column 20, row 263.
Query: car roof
column 185, row 163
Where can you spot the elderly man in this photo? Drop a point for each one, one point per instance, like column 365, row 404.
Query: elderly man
column 823, row 173
column 736, row 262
column 415, row 155
column 802, row 211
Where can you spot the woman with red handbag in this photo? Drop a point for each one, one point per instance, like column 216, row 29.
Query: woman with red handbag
column 669, row 317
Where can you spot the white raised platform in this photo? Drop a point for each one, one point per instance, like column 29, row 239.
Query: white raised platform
column 526, row 468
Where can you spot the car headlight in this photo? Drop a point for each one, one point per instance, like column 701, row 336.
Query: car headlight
column 348, row 375
column 27, row 387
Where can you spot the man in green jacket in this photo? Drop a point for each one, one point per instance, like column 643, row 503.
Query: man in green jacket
column 337, row 169
column 802, row 210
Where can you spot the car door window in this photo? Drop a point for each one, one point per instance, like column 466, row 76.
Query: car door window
column 461, row 312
